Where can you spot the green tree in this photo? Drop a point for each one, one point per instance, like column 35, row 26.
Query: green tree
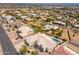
column 35, row 52
column 59, row 33
column 23, row 49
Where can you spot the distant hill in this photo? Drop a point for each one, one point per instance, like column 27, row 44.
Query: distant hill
column 39, row 4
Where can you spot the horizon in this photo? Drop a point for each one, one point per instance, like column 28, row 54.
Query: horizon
column 39, row 4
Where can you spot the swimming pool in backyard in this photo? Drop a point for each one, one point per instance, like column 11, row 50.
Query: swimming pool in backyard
column 56, row 40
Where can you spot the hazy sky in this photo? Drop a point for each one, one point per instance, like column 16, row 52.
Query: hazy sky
column 39, row 1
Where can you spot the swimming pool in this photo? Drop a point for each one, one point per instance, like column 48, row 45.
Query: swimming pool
column 56, row 40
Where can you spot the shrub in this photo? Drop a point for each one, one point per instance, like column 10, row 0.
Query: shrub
column 23, row 49
column 35, row 52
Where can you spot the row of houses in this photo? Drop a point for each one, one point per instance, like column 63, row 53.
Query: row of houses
column 12, row 18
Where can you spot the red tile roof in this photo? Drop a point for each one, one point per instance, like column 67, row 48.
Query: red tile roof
column 61, row 51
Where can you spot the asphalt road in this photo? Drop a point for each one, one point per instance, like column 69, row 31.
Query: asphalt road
column 6, row 44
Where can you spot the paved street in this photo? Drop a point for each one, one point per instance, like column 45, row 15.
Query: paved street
column 6, row 44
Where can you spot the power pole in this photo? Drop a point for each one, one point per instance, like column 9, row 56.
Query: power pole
column 68, row 34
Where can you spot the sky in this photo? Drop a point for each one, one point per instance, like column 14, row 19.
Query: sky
column 39, row 1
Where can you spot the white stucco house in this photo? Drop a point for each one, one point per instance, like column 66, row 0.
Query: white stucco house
column 9, row 18
column 51, row 27
column 25, row 30
column 45, row 41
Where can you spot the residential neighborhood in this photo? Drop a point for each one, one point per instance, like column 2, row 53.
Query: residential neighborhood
column 36, row 30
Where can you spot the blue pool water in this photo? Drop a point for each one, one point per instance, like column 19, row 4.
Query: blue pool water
column 56, row 40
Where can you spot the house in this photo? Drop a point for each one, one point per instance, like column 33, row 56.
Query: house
column 67, row 49
column 71, row 51
column 34, row 15
column 76, row 26
column 25, row 30
column 19, row 14
column 60, row 23
column 61, row 51
column 26, row 18
column 51, row 27
column 73, row 46
column 9, row 18
column 42, row 40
